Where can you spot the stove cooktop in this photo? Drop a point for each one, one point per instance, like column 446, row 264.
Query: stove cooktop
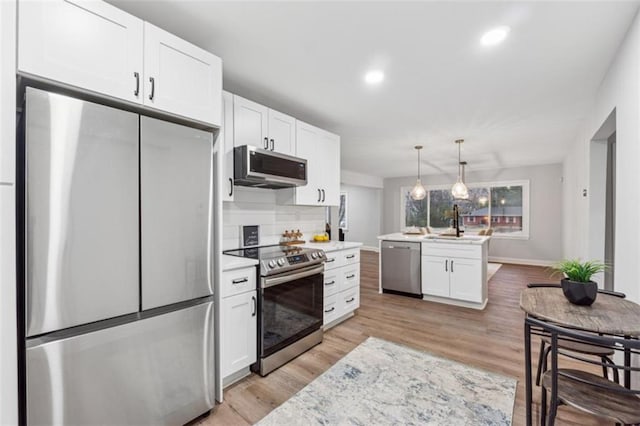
column 277, row 259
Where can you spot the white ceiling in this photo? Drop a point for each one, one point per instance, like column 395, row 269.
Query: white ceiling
column 519, row 103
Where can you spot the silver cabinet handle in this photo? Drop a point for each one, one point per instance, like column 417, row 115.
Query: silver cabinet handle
column 351, row 256
column 330, row 283
column 351, row 300
column 323, row 195
column 351, row 276
column 451, row 265
column 240, row 280
column 230, row 187
column 266, row 143
column 137, row 77
column 319, row 195
column 255, row 306
column 446, row 263
column 330, row 310
column 273, row 145
column 153, row 88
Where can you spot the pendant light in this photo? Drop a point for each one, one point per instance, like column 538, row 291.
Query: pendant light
column 418, row 192
column 459, row 189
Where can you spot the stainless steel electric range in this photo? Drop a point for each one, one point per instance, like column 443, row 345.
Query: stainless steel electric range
column 290, row 302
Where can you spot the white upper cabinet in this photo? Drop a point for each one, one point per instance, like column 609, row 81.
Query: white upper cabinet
column 262, row 127
column 250, row 123
column 282, row 133
column 94, row 46
column 227, row 146
column 87, row 44
column 321, row 149
column 181, row 78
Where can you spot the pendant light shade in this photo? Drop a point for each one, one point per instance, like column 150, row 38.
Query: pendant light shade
column 418, row 192
column 459, row 189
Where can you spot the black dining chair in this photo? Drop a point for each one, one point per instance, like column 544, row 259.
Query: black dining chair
column 595, row 395
column 604, row 353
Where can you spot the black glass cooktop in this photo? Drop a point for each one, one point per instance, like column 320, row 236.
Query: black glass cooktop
column 266, row 252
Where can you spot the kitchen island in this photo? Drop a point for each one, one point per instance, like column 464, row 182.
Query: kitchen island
column 453, row 270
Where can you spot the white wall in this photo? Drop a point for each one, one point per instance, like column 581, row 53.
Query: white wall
column 348, row 177
column 8, row 337
column 364, row 214
column 253, row 206
column 544, row 245
column 619, row 91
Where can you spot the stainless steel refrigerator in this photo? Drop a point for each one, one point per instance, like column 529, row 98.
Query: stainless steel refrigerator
column 117, row 267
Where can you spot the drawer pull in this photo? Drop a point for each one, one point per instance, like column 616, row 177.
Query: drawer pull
column 330, row 283
column 351, row 256
column 240, row 280
column 255, row 306
column 351, row 276
column 351, row 300
column 330, row 260
column 329, row 310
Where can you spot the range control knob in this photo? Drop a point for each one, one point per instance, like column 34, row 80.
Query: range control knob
column 281, row 261
column 320, row 254
column 314, row 255
column 272, row 264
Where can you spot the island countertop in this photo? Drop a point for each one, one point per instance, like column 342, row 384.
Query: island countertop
column 466, row 239
column 330, row 246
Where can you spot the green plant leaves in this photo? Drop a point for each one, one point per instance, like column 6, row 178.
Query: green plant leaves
column 575, row 270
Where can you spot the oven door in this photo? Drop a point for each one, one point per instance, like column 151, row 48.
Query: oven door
column 291, row 307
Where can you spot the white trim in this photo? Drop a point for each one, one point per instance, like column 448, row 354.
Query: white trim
column 455, row 302
column 516, row 261
column 370, row 248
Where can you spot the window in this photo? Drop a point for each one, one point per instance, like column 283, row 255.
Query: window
column 342, row 212
column 503, row 206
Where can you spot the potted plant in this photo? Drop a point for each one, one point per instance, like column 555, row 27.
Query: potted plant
column 576, row 284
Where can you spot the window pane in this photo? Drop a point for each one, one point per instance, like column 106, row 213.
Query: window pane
column 342, row 212
column 474, row 212
column 441, row 208
column 415, row 211
column 506, row 209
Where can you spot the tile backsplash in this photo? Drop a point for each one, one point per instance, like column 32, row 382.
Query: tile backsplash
column 253, row 206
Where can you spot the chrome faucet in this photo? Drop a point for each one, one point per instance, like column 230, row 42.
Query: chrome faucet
column 456, row 220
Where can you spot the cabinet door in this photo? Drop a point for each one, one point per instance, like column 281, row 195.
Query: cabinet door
column 350, row 300
column 282, row 133
column 250, row 123
column 87, row 44
column 466, row 279
column 227, row 146
column 307, row 139
column 181, row 78
column 239, row 332
column 329, row 153
column 331, row 282
column 435, row 276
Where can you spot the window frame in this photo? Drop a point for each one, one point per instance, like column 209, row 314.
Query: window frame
column 526, row 211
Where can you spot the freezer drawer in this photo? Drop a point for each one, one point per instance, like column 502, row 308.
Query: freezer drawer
column 81, row 212
column 176, row 169
column 155, row 371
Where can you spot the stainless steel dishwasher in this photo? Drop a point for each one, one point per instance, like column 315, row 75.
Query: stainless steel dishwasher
column 401, row 268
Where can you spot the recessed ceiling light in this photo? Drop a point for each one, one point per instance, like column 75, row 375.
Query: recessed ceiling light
column 495, row 36
column 374, row 77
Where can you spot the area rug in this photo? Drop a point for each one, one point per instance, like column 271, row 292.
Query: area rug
column 382, row 383
column 492, row 268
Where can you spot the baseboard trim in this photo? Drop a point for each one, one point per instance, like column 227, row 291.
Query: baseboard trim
column 516, row 261
column 370, row 248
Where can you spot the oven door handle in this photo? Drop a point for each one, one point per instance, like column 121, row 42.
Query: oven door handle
column 285, row 278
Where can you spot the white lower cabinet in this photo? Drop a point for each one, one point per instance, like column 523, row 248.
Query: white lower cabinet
column 341, row 285
column 238, row 321
column 456, row 278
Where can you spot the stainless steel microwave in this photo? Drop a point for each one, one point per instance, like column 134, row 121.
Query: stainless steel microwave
column 267, row 169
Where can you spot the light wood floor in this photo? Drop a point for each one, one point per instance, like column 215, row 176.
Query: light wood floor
column 491, row 339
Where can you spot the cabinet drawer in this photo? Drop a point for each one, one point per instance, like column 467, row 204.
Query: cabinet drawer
column 350, row 300
column 350, row 277
column 332, row 307
column 349, row 257
column 467, row 251
column 238, row 281
column 331, row 283
column 334, row 260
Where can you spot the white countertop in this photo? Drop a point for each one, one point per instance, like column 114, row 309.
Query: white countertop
column 234, row 262
column 333, row 245
column 467, row 239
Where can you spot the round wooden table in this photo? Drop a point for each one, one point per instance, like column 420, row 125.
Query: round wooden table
column 608, row 315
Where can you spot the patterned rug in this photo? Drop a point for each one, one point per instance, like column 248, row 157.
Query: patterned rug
column 381, row 383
